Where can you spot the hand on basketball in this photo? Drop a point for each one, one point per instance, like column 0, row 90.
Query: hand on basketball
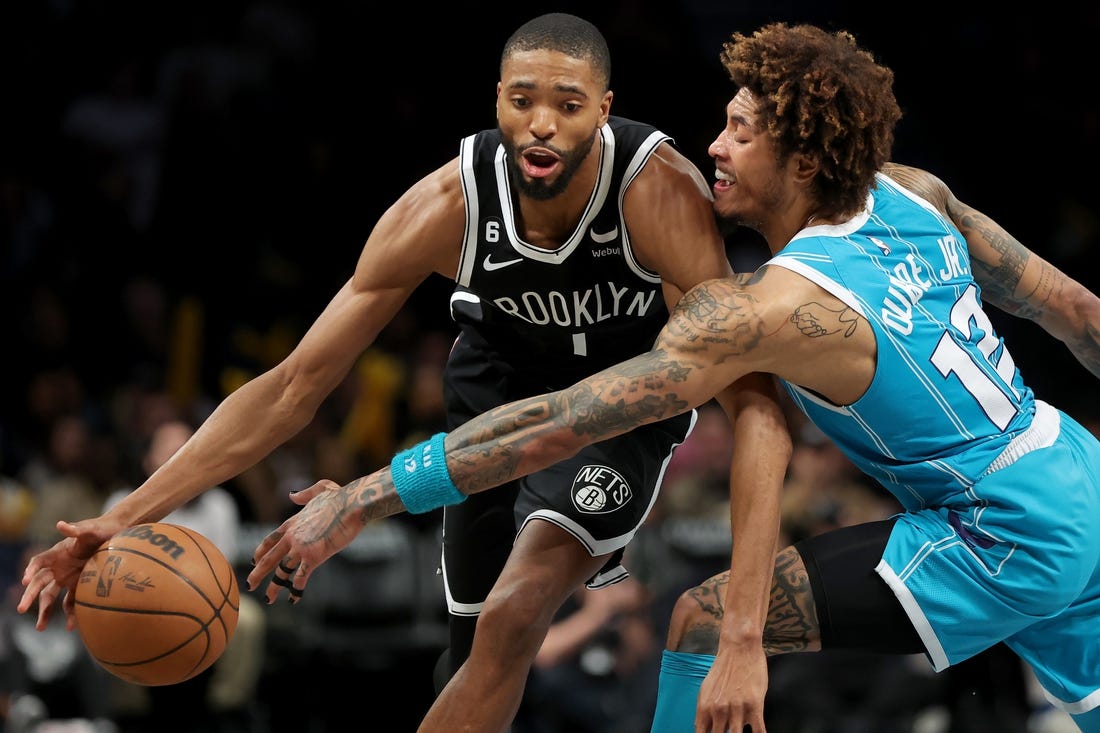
column 327, row 523
column 56, row 570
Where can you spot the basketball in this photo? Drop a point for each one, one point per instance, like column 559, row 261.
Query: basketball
column 157, row 604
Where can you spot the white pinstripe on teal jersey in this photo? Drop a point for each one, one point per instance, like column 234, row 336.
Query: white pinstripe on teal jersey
column 1001, row 537
column 946, row 387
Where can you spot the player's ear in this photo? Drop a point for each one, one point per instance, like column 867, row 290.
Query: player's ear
column 605, row 106
column 805, row 167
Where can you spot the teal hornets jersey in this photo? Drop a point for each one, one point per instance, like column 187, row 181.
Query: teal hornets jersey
column 1000, row 540
column 947, row 400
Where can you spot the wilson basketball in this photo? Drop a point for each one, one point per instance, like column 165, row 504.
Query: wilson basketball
column 157, row 604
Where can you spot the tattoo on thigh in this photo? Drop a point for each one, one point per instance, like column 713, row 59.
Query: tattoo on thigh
column 792, row 617
column 791, row 624
column 701, row 637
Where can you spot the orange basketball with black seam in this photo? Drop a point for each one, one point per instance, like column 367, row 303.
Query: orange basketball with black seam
column 157, row 604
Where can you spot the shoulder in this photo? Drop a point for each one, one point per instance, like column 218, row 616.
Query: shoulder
column 772, row 293
column 432, row 208
column 419, row 233
column 633, row 139
column 627, row 125
column 919, row 182
column 480, row 146
column 440, row 191
column 669, row 212
column 747, row 317
column 668, row 171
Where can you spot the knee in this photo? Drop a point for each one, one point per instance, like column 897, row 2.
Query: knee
column 695, row 623
column 517, row 614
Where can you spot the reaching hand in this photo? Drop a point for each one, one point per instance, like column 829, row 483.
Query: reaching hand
column 328, row 523
column 732, row 695
column 56, row 570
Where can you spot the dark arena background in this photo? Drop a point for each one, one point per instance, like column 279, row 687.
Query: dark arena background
column 184, row 185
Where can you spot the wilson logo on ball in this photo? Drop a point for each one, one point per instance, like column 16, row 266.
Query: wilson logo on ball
column 145, row 533
column 600, row 490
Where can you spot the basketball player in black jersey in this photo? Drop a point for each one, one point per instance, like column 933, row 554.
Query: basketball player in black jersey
column 569, row 233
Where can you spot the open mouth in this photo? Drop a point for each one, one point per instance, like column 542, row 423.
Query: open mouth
column 723, row 182
column 539, row 163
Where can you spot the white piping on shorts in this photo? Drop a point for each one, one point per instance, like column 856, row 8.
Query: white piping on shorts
column 1042, row 433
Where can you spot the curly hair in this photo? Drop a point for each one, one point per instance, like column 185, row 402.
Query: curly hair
column 820, row 94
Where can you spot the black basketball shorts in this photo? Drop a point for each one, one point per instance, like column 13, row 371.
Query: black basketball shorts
column 601, row 496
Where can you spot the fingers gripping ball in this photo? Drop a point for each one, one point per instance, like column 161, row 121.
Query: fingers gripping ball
column 157, row 604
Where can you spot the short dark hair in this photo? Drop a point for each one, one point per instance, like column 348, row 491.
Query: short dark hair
column 818, row 92
column 573, row 36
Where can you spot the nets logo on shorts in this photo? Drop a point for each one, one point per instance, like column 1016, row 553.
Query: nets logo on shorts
column 600, row 490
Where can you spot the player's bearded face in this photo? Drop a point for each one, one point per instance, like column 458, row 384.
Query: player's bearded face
column 542, row 189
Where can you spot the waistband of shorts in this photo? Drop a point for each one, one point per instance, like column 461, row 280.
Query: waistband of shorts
column 1042, row 433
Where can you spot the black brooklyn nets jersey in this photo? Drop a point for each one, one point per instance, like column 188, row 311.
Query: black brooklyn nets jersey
column 546, row 318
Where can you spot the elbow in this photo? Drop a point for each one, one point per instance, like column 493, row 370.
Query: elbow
column 1086, row 307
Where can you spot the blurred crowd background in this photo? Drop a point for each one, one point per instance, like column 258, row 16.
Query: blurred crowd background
column 184, row 185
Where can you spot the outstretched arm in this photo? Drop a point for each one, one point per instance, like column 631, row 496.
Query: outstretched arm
column 262, row 414
column 1014, row 278
column 709, row 342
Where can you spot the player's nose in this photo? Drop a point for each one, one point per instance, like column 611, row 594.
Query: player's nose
column 544, row 123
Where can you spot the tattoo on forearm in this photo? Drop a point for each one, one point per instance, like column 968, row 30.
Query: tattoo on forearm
column 324, row 520
column 374, row 494
column 719, row 318
column 612, row 405
column 489, row 449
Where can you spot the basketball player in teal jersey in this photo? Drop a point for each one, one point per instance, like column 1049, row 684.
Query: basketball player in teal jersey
column 569, row 233
column 871, row 314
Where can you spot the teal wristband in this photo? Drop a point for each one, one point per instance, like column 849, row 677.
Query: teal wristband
column 421, row 479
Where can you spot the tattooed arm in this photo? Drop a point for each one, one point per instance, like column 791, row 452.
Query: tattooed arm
column 710, row 341
column 713, row 338
column 1014, row 278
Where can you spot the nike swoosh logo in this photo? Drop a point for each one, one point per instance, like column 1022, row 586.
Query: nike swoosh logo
column 603, row 238
column 489, row 265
